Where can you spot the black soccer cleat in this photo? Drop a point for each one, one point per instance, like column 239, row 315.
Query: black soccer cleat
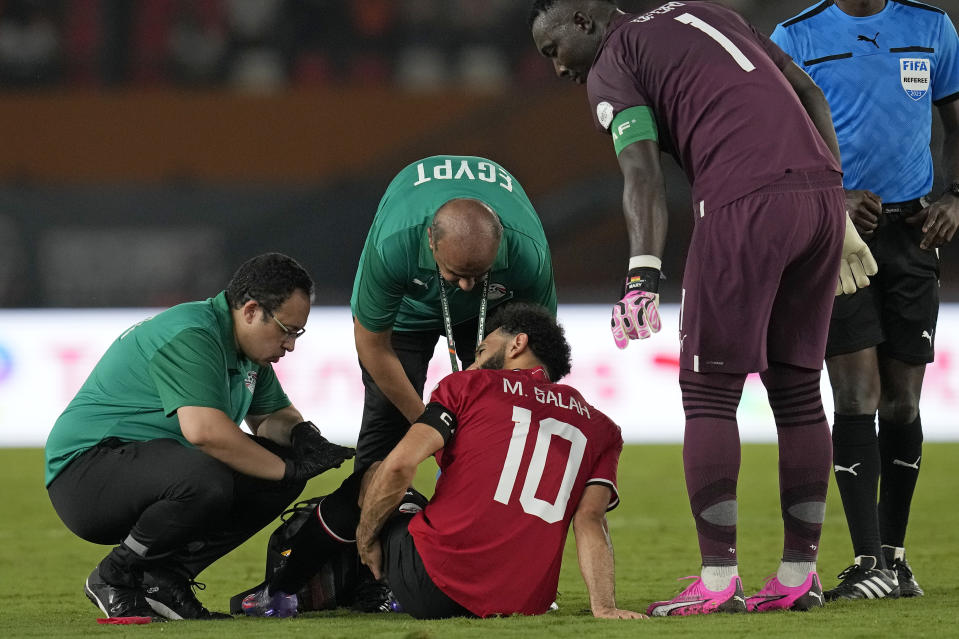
column 375, row 596
column 863, row 580
column 908, row 586
column 896, row 561
column 116, row 601
column 172, row 596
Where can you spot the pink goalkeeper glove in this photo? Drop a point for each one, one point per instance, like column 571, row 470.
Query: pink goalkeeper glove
column 636, row 316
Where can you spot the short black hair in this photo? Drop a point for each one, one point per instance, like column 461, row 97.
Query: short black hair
column 547, row 339
column 542, row 6
column 269, row 279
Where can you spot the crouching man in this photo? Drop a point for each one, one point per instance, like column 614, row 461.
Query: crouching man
column 149, row 455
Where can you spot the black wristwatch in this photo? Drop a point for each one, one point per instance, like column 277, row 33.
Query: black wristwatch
column 953, row 189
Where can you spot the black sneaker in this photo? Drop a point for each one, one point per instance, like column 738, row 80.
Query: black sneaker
column 375, row 596
column 116, row 601
column 863, row 580
column 908, row 586
column 896, row 561
column 172, row 597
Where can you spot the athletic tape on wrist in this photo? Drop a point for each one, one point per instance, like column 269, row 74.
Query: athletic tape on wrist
column 645, row 261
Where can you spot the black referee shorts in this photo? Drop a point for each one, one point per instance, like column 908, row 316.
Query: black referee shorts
column 898, row 311
column 407, row 575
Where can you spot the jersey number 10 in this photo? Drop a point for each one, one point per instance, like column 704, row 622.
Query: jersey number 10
column 545, row 430
column 716, row 35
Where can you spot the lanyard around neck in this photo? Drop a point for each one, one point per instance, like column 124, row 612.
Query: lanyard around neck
column 448, row 322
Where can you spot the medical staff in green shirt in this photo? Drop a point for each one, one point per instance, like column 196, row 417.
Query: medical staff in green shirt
column 453, row 236
column 149, row 454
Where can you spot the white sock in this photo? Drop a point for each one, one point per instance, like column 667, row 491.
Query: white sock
column 897, row 552
column 716, row 578
column 794, row 573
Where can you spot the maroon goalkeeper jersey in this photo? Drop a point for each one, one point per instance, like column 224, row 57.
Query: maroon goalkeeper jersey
column 512, row 474
column 723, row 108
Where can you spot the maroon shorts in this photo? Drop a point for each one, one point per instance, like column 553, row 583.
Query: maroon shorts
column 761, row 276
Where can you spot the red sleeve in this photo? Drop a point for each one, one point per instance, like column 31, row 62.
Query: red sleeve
column 453, row 392
column 448, row 391
column 604, row 469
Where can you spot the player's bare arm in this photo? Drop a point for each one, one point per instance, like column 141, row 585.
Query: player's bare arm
column 941, row 218
column 212, row 431
column 377, row 355
column 644, row 198
column 275, row 426
column 387, row 487
column 636, row 315
column 814, row 102
column 595, row 551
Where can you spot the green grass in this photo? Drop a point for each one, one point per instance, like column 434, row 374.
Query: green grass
column 42, row 565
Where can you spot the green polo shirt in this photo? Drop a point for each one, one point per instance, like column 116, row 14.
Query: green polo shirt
column 397, row 285
column 185, row 356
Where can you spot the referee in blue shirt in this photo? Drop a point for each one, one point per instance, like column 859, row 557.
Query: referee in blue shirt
column 882, row 65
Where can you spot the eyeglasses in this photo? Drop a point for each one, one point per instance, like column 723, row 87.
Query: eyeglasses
column 289, row 332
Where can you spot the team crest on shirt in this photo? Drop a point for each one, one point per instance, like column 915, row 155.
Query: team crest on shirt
column 914, row 74
column 497, row 291
column 250, row 381
column 604, row 113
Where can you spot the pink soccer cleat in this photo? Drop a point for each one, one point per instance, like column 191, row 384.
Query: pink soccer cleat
column 698, row 600
column 775, row 596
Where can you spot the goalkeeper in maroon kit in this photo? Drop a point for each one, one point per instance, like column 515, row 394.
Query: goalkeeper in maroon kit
column 754, row 136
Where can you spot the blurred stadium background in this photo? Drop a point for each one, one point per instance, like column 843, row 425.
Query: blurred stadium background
column 148, row 147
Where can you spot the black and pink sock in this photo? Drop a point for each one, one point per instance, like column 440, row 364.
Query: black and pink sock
column 711, row 458
column 805, row 456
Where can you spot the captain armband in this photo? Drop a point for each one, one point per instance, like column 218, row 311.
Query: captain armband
column 440, row 418
column 632, row 125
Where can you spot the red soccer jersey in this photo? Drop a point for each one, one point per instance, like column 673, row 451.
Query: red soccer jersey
column 512, row 475
column 723, row 107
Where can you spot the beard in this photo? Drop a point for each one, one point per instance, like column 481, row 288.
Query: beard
column 496, row 361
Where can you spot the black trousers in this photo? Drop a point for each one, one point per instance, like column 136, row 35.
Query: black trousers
column 174, row 506
column 407, row 575
column 383, row 425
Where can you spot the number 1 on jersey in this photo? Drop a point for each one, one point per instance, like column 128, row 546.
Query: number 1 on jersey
column 546, row 429
column 715, row 34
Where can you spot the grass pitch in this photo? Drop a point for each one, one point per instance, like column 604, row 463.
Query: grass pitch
column 43, row 566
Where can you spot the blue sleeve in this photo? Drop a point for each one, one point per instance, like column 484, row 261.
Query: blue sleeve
column 945, row 81
column 782, row 38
